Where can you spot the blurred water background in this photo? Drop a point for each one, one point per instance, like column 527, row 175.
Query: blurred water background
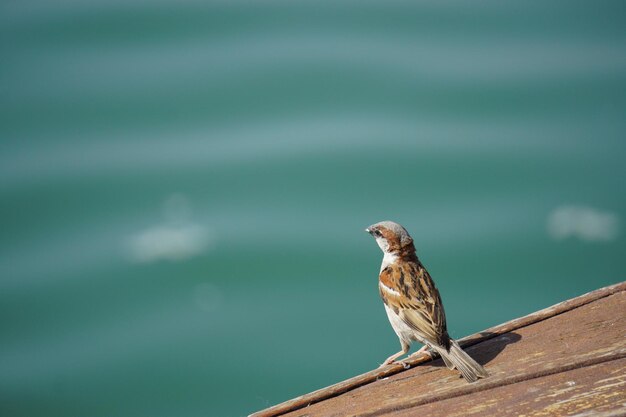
column 184, row 187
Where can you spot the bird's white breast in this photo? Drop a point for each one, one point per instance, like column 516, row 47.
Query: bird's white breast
column 388, row 259
column 403, row 331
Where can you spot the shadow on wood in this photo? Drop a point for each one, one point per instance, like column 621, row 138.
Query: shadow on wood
column 484, row 356
column 565, row 360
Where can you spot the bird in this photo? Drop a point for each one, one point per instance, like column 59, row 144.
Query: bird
column 413, row 303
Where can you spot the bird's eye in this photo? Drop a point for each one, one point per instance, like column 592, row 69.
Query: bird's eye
column 377, row 233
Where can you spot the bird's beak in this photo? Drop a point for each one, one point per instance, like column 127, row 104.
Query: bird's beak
column 368, row 231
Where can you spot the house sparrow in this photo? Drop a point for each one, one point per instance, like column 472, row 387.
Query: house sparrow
column 412, row 301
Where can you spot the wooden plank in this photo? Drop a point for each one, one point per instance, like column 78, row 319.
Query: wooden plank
column 377, row 374
column 595, row 391
column 591, row 334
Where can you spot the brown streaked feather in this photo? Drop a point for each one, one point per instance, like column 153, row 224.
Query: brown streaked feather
column 392, row 239
column 418, row 303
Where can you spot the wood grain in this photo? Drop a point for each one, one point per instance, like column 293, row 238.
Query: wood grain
column 569, row 348
column 587, row 336
column 593, row 390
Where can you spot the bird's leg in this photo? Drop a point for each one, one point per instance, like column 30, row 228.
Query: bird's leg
column 423, row 349
column 392, row 358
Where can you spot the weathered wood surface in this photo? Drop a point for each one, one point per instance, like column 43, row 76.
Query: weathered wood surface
column 588, row 391
column 563, row 360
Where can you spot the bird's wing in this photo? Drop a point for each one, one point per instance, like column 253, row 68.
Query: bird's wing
column 410, row 292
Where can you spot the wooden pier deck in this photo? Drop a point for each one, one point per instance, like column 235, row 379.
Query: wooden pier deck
column 565, row 360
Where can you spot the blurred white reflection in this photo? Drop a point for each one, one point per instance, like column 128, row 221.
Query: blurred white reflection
column 177, row 238
column 585, row 223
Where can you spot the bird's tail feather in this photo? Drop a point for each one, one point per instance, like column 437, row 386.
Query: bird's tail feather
column 457, row 358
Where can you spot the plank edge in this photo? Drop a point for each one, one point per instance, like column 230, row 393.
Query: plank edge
column 376, row 374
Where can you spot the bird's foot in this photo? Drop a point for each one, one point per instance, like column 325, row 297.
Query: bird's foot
column 424, row 349
column 404, row 364
column 382, row 365
column 392, row 359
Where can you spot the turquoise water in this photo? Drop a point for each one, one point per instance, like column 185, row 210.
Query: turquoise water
column 184, row 187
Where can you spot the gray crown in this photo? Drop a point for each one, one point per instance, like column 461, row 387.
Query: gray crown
column 397, row 229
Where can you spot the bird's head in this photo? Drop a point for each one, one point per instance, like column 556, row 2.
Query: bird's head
column 390, row 236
